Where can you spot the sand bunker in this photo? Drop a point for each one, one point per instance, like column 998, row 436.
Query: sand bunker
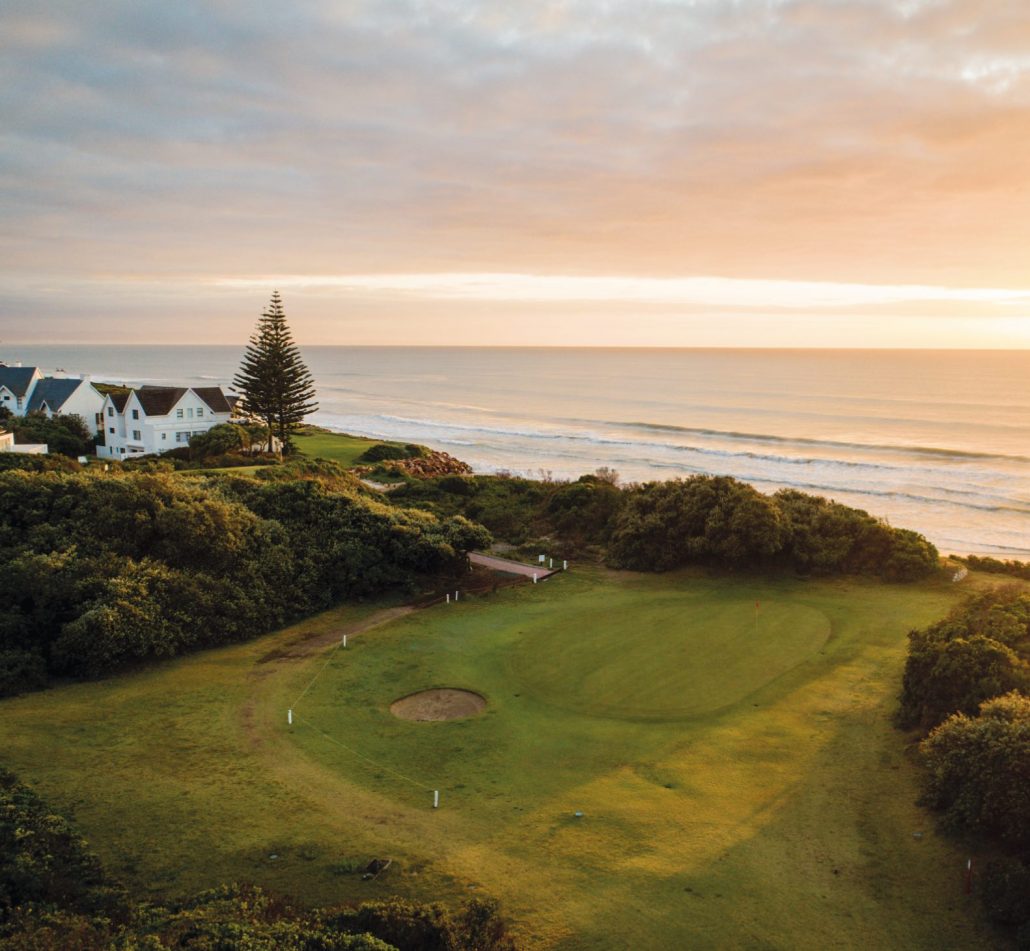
column 443, row 703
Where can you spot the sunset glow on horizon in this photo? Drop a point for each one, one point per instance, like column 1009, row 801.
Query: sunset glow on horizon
column 656, row 173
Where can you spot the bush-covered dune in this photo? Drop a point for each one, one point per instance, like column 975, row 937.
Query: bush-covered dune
column 102, row 570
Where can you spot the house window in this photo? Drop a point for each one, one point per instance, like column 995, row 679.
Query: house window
column 182, row 437
column 110, row 409
column 164, row 436
column 122, row 450
column 178, row 414
column 189, row 412
column 110, row 429
column 200, row 410
column 137, row 435
column 135, row 414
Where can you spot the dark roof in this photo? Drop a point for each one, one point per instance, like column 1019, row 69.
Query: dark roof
column 159, row 400
column 16, row 379
column 53, row 391
column 214, row 397
column 120, row 399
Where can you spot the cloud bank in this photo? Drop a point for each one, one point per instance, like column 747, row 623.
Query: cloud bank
column 160, row 159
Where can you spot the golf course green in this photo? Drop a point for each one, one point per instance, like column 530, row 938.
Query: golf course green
column 736, row 776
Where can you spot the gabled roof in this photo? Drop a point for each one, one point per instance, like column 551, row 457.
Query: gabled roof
column 214, row 397
column 159, row 400
column 17, row 379
column 53, row 391
column 119, row 399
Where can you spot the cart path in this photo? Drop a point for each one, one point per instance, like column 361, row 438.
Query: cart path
column 510, row 567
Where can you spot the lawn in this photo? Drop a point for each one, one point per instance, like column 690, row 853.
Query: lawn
column 339, row 447
column 739, row 779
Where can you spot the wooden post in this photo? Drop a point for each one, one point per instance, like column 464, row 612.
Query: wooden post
column 436, row 798
column 344, row 640
column 289, row 718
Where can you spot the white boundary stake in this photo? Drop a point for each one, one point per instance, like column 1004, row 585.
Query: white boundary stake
column 550, row 563
column 343, row 643
column 565, row 566
column 448, row 597
column 436, row 798
column 456, row 595
column 534, row 577
column 289, row 717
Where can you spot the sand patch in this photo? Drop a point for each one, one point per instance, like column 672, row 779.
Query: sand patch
column 441, row 703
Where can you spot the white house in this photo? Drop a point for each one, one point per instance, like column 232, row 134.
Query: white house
column 16, row 384
column 154, row 419
column 55, row 395
column 25, row 390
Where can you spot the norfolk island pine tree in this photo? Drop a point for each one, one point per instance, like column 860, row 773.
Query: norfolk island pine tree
column 274, row 383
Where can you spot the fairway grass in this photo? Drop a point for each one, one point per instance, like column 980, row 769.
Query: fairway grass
column 741, row 787
column 339, row 447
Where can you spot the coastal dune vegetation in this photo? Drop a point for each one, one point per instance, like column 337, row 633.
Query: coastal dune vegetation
column 105, row 570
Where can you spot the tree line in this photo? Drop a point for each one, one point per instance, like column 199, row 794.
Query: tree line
column 702, row 520
column 966, row 689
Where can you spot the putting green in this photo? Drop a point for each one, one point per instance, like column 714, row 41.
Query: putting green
column 668, row 658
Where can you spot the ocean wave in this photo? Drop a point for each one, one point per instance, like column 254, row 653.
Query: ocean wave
column 776, row 459
column 837, row 444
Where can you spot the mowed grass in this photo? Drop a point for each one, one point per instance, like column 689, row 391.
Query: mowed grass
column 339, row 447
column 740, row 787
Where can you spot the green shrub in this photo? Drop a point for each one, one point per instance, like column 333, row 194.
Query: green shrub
column 977, row 770
column 383, row 451
column 64, row 435
column 980, row 650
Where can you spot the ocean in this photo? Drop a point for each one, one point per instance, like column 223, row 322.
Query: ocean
column 937, row 441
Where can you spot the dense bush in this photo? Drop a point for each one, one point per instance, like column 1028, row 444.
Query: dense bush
column 383, row 451
column 994, row 566
column 718, row 520
column 663, row 525
column 64, row 435
column 981, row 650
column 978, row 769
column 227, row 439
column 102, row 570
column 967, row 676
column 37, row 463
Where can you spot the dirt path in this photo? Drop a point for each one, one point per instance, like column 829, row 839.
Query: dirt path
column 304, row 645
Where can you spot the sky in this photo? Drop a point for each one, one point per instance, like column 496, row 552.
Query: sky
column 849, row 173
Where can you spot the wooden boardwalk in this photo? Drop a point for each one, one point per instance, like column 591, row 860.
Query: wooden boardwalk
column 510, row 567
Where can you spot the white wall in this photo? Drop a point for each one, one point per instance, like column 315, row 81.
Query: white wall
column 85, row 402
